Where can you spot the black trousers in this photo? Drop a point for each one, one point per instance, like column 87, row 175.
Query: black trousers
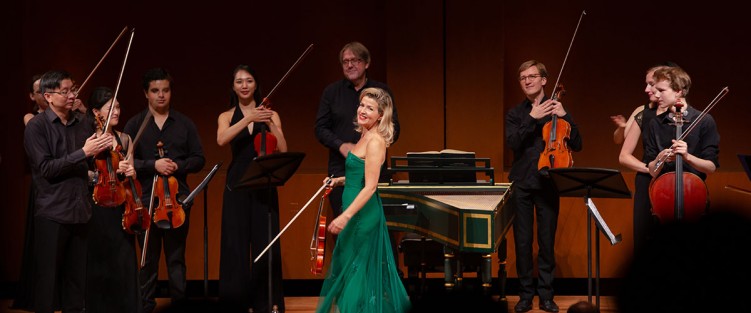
column 173, row 241
column 60, row 254
column 245, row 233
column 644, row 220
column 542, row 204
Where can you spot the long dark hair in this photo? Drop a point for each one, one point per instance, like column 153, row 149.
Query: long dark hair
column 99, row 97
column 34, row 78
column 233, row 100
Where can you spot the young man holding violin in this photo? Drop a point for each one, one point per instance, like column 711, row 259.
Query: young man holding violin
column 183, row 155
column 58, row 143
column 534, row 194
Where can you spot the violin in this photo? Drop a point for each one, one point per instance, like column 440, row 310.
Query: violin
column 109, row 190
column 318, row 241
column 265, row 142
column 556, row 134
column 677, row 195
column 169, row 212
column 136, row 218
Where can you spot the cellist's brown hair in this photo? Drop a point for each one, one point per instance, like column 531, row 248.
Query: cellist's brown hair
column 676, row 77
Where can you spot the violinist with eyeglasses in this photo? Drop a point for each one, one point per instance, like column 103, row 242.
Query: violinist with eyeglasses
column 534, row 195
column 59, row 143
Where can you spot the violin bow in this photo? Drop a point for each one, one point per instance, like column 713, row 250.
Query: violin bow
column 560, row 73
column 292, row 220
column 146, row 235
column 717, row 98
column 265, row 101
column 119, row 80
column 100, row 60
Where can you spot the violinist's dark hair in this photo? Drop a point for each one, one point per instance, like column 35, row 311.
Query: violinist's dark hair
column 157, row 73
column 99, row 97
column 233, row 99
column 676, row 77
column 357, row 49
column 51, row 80
column 34, row 78
column 97, row 100
column 540, row 67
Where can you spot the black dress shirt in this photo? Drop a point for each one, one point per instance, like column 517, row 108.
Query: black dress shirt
column 524, row 137
column 181, row 144
column 703, row 141
column 335, row 121
column 59, row 166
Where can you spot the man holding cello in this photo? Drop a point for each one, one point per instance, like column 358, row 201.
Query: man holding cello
column 179, row 153
column 698, row 151
column 533, row 190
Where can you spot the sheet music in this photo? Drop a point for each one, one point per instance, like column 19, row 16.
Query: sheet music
column 600, row 222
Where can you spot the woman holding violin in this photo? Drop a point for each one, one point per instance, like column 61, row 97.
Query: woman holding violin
column 111, row 254
column 534, row 194
column 698, row 152
column 245, row 213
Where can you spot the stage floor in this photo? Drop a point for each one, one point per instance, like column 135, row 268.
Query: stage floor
column 308, row 304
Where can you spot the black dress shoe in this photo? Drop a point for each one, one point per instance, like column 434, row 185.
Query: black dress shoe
column 524, row 305
column 548, row 306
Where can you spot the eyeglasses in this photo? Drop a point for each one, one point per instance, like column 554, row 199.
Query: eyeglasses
column 352, row 61
column 65, row 93
column 531, row 77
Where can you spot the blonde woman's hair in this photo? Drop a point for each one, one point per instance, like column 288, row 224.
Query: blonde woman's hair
column 385, row 125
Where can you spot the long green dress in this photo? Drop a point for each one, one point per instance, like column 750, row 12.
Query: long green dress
column 362, row 275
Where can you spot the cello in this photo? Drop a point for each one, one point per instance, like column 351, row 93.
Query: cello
column 168, row 213
column 677, row 195
column 318, row 241
column 555, row 132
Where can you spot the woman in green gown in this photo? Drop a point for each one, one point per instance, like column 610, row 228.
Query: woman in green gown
column 363, row 275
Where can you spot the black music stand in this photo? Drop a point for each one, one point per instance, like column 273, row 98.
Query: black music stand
column 189, row 200
column 269, row 171
column 592, row 183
